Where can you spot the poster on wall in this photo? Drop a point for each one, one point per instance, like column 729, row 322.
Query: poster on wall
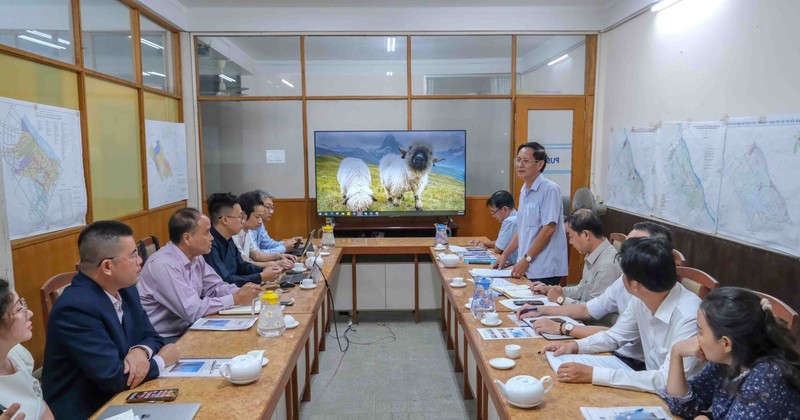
column 166, row 162
column 631, row 170
column 42, row 163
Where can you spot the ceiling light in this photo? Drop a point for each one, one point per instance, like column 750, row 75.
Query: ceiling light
column 158, row 74
column 558, row 60
column 151, row 44
column 41, row 34
column 287, row 83
column 390, row 73
column 224, row 77
column 663, row 4
column 391, row 44
column 63, row 41
column 144, row 73
column 39, row 41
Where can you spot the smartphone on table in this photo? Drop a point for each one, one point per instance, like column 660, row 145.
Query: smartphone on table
column 155, row 395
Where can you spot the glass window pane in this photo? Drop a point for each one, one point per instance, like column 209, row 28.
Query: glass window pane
column 41, row 27
column 249, row 66
column 33, row 82
column 114, row 153
column 488, row 122
column 351, row 115
column 156, row 55
column 551, row 65
column 236, row 137
column 107, row 48
column 461, row 65
column 160, row 108
column 553, row 130
column 356, row 65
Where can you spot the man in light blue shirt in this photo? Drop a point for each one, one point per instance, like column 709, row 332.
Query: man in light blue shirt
column 501, row 205
column 261, row 237
column 541, row 236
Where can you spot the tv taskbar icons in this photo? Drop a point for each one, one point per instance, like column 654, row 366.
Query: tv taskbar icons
column 348, row 213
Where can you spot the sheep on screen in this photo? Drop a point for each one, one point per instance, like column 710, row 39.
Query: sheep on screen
column 407, row 171
column 354, row 183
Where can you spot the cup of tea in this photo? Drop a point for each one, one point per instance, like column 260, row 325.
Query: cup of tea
column 307, row 282
column 491, row 317
column 458, row 281
column 513, row 351
column 299, row 266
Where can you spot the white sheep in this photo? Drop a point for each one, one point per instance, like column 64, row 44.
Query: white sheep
column 407, row 171
column 355, row 184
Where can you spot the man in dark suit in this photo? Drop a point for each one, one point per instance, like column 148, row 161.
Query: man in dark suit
column 99, row 340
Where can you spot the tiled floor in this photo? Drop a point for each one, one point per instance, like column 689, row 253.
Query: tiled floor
column 409, row 377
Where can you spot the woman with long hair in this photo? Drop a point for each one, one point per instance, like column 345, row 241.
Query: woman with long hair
column 20, row 392
column 753, row 370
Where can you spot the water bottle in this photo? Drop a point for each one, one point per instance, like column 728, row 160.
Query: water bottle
column 482, row 298
column 270, row 317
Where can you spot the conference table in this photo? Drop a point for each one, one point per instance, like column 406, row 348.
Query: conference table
column 294, row 356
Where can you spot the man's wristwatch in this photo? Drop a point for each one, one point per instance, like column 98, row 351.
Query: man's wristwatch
column 568, row 328
column 528, row 258
column 560, row 300
column 561, row 326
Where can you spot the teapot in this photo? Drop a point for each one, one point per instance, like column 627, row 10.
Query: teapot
column 242, row 369
column 525, row 391
column 450, row 260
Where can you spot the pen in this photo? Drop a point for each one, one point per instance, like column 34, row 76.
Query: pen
column 525, row 311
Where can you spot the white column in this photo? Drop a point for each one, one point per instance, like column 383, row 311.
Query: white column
column 189, row 89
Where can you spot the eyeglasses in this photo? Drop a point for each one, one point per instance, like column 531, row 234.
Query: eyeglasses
column 524, row 162
column 495, row 211
column 134, row 256
column 270, row 208
column 22, row 308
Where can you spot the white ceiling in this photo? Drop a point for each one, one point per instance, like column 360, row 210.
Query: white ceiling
column 190, row 4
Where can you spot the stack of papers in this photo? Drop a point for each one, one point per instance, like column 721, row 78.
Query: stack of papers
column 624, row 413
column 611, row 362
column 223, row 324
column 245, row 310
column 487, row 272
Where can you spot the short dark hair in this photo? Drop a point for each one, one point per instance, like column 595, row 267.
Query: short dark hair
column 501, row 199
column 5, row 301
column 98, row 237
column 585, row 219
column 182, row 221
column 249, row 201
column 539, row 152
column 649, row 261
column 219, row 202
column 755, row 334
column 654, row 230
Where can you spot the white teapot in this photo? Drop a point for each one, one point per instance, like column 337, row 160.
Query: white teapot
column 525, row 391
column 450, row 260
column 312, row 260
column 242, row 369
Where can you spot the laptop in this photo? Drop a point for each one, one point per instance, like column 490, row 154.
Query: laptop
column 300, row 250
column 158, row 411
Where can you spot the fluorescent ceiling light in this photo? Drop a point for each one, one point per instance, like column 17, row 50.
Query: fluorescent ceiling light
column 144, row 73
column 63, row 41
column 224, row 77
column 390, row 73
column 663, row 4
column 391, row 44
column 39, row 41
column 158, row 74
column 559, row 59
column 287, row 83
column 41, row 34
column 151, row 44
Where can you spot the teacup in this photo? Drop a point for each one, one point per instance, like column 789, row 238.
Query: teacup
column 241, row 369
column 307, row 282
column 299, row 266
column 491, row 317
column 513, row 351
column 458, row 281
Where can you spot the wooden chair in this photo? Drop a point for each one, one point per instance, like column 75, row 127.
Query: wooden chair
column 51, row 290
column 147, row 247
column 780, row 309
column 697, row 281
column 617, row 239
column 680, row 260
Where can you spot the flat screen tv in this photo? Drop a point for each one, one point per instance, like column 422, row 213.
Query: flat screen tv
column 390, row 173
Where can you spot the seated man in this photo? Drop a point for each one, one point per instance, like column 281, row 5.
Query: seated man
column 585, row 231
column 662, row 313
column 260, row 235
column 501, row 205
column 176, row 285
column 253, row 210
column 606, row 307
column 99, row 340
column 226, row 221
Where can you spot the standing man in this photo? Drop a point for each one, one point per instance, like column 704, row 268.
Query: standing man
column 99, row 339
column 226, row 220
column 260, row 235
column 540, row 236
column 501, row 206
column 176, row 285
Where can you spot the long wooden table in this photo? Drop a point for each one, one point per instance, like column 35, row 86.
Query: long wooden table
column 293, row 357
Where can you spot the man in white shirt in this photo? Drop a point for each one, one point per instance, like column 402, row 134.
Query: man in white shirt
column 501, row 206
column 254, row 210
column 663, row 313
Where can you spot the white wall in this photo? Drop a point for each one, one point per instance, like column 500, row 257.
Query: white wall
column 699, row 60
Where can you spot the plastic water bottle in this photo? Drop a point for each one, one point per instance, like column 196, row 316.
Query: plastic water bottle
column 483, row 298
column 270, row 317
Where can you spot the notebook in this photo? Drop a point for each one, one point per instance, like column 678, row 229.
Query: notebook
column 154, row 411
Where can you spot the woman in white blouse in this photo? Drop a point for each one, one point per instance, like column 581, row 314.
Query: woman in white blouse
column 18, row 387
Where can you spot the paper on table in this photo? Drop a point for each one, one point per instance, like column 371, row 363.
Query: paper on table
column 223, row 324
column 457, row 249
column 194, row 368
column 513, row 318
column 557, row 318
column 244, row 310
column 505, row 333
column 509, row 303
column 612, row 362
column 613, row 413
column 488, row 272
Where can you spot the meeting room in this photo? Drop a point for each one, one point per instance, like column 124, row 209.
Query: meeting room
column 430, row 209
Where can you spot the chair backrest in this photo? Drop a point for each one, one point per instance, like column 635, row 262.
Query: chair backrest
column 51, row 290
column 147, row 247
column 617, row 239
column 697, row 281
column 780, row 309
column 680, row 260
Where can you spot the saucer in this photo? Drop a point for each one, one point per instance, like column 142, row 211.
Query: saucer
column 488, row 324
column 324, row 253
column 523, row 405
column 458, row 286
column 436, row 248
column 502, row 363
column 245, row 381
column 291, row 325
column 308, row 287
column 293, row 271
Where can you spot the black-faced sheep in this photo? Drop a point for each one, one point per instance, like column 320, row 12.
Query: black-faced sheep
column 407, row 171
column 355, row 182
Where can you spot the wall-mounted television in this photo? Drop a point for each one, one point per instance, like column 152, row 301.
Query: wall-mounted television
column 390, row 173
